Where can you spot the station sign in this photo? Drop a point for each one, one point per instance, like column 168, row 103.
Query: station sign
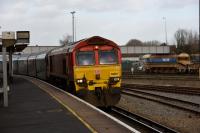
column 23, row 36
column 8, row 38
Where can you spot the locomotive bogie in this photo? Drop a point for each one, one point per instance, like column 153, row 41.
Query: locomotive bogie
column 102, row 98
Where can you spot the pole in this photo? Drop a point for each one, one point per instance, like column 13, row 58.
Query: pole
column 5, row 91
column 73, row 33
column 198, row 53
column 10, row 66
column 165, row 21
column 74, row 29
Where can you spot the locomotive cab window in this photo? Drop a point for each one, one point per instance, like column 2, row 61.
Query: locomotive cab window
column 108, row 57
column 85, row 58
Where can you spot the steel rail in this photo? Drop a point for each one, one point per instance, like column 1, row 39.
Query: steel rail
column 173, row 89
column 151, row 125
column 196, row 111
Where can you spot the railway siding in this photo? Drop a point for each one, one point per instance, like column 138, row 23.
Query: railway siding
column 184, row 97
column 177, row 119
column 163, row 82
column 173, row 102
column 175, row 107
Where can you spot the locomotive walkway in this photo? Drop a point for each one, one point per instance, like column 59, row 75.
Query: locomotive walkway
column 31, row 109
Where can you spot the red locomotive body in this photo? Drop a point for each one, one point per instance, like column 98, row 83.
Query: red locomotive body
column 89, row 68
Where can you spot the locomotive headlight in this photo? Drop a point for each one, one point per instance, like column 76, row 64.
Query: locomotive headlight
column 116, row 79
column 79, row 81
column 82, row 82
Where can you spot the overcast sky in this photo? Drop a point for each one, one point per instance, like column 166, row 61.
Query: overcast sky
column 118, row 20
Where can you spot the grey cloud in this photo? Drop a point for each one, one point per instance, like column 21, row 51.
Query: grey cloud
column 120, row 5
column 178, row 3
column 93, row 5
column 48, row 20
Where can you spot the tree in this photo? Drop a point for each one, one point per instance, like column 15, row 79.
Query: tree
column 193, row 41
column 134, row 42
column 187, row 41
column 180, row 36
column 152, row 43
column 66, row 40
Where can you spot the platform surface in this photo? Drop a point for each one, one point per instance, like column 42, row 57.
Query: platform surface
column 31, row 110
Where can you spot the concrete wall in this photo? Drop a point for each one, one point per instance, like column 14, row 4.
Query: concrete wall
column 145, row 49
column 133, row 53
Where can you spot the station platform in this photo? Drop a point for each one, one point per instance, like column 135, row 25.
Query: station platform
column 36, row 106
column 32, row 110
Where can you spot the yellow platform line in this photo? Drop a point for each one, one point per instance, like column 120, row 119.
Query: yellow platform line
column 71, row 110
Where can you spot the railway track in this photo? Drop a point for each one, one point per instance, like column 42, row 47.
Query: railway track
column 190, row 77
column 146, row 125
column 169, row 101
column 173, row 89
column 159, row 74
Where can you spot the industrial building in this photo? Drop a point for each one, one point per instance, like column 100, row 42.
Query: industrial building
column 133, row 53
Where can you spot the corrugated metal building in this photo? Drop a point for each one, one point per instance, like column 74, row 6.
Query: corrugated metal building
column 133, row 53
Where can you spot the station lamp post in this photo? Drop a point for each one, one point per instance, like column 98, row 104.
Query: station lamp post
column 165, row 25
column 73, row 26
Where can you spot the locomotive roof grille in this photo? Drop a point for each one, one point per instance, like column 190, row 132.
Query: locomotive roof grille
column 97, row 41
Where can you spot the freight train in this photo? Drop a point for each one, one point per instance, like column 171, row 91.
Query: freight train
column 171, row 63
column 89, row 68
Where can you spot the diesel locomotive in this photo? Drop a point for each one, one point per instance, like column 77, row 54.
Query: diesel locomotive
column 171, row 63
column 166, row 63
column 89, row 68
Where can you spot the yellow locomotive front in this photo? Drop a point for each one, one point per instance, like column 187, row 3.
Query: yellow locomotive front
column 97, row 74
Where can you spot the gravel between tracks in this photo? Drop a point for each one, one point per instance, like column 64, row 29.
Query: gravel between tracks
column 180, row 120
